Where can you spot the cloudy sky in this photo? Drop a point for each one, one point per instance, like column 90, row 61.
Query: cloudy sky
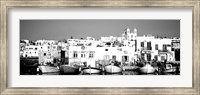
column 64, row 29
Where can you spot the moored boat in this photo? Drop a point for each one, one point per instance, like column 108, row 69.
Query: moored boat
column 170, row 69
column 130, row 68
column 147, row 69
column 91, row 70
column 66, row 69
column 46, row 69
column 28, row 65
column 113, row 69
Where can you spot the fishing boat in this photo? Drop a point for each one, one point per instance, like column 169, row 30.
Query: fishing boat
column 130, row 68
column 147, row 69
column 113, row 69
column 170, row 69
column 46, row 69
column 28, row 65
column 91, row 70
column 68, row 70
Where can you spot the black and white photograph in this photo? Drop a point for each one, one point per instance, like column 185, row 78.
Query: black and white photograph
column 100, row 47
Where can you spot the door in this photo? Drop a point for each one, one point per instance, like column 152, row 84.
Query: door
column 106, row 57
column 177, row 54
column 114, row 57
column 148, row 57
column 125, row 59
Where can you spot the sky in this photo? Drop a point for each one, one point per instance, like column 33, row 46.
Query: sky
column 80, row 28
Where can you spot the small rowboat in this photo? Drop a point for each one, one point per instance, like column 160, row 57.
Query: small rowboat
column 68, row 70
column 147, row 69
column 91, row 70
column 130, row 68
column 170, row 69
column 113, row 69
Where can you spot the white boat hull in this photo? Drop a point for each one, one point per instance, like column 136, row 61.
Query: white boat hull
column 147, row 69
column 113, row 69
column 91, row 71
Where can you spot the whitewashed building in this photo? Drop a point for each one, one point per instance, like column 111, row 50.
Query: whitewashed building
column 149, row 48
column 82, row 54
column 33, row 50
column 125, row 49
column 91, row 54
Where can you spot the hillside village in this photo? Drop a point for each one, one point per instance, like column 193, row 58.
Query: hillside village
column 127, row 49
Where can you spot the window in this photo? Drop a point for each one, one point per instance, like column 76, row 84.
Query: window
column 148, row 45
column 82, row 55
column 75, row 55
column 91, row 55
column 164, row 47
column 142, row 44
column 156, row 47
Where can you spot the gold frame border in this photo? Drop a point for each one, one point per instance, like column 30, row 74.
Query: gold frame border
column 6, row 4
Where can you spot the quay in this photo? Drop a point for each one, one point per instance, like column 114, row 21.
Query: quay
column 136, row 69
